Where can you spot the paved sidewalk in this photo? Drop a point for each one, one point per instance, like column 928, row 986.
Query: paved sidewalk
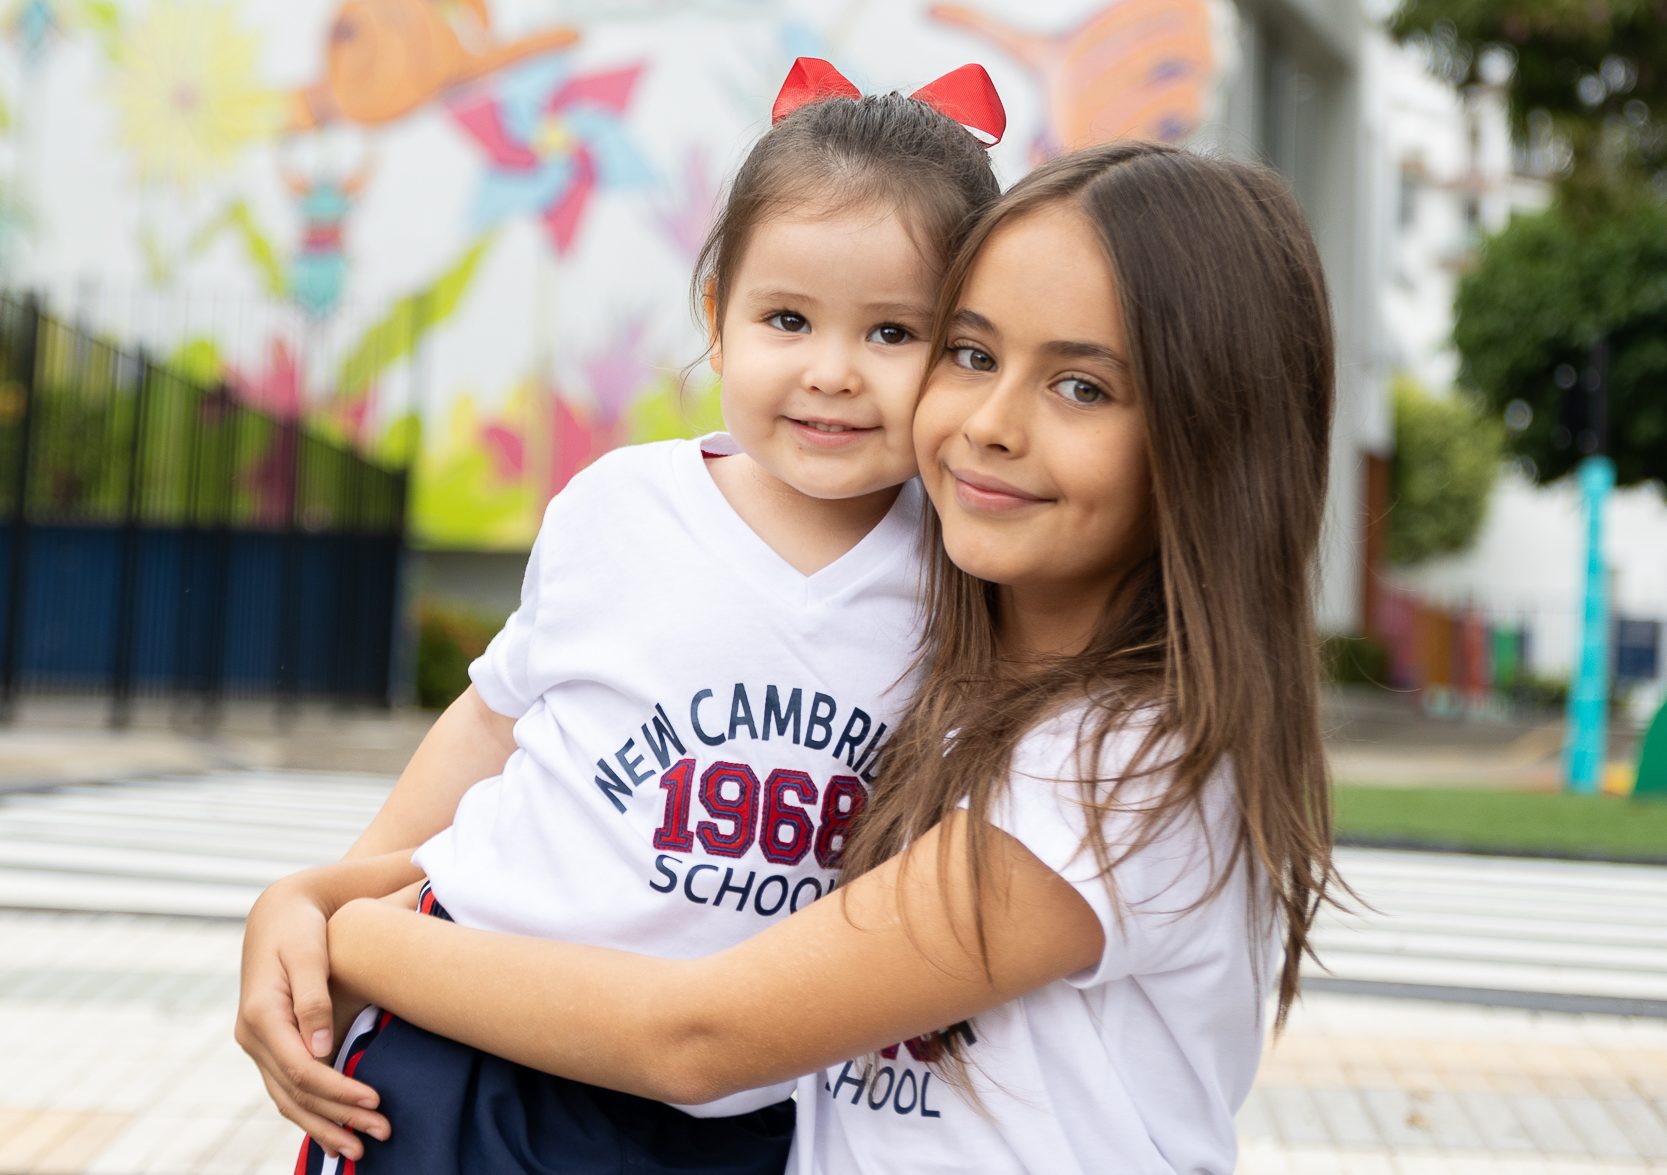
column 57, row 740
column 116, row 1058
column 1372, row 737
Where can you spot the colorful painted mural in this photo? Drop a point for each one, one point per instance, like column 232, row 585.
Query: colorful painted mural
column 458, row 233
column 1139, row 69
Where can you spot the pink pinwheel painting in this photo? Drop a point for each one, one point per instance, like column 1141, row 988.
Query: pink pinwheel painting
column 552, row 139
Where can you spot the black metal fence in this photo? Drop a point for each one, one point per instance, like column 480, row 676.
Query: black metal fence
column 157, row 537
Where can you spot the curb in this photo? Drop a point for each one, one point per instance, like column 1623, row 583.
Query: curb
column 1468, row 850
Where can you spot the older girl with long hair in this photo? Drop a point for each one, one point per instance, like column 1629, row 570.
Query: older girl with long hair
column 1100, row 836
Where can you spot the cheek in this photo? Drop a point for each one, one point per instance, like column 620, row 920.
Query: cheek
column 1116, row 493
column 933, row 422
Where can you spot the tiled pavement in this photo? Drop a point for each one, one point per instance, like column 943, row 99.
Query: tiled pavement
column 116, row 1057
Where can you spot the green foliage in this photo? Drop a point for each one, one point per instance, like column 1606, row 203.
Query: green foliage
column 1354, row 660
column 202, row 458
column 1545, row 290
column 1540, row 693
column 448, row 639
column 1446, row 460
column 1597, row 73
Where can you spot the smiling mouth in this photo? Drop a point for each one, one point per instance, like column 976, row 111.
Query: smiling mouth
column 989, row 495
column 828, row 425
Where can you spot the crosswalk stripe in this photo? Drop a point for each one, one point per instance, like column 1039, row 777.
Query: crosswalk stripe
column 1497, row 924
column 196, row 846
column 206, row 846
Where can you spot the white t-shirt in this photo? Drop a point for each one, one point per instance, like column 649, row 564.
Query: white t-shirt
column 697, row 721
column 1135, row 1065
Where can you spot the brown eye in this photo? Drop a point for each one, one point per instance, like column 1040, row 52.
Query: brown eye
column 972, row 358
column 890, row 334
column 1079, row 391
column 786, row 320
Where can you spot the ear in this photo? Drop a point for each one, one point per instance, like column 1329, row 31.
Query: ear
column 714, row 338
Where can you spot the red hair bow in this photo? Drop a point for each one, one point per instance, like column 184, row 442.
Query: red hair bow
column 966, row 95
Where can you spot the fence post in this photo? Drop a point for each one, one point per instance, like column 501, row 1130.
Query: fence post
column 17, row 588
column 127, row 592
column 400, row 628
column 290, row 579
column 189, row 636
column 226, row 416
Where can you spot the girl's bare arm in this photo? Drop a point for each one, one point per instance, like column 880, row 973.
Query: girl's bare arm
column 894, row 958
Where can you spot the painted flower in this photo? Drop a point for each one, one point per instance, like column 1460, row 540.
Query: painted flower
column 276, row 387
column 185, row 91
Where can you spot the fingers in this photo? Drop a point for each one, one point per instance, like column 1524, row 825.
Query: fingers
column 307, row 1084
column 313, row 1013
column 307, row 968
column 342, row 1116
column 329, row 1134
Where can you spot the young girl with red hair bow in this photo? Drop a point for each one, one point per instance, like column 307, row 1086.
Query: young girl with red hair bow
column 676, row 728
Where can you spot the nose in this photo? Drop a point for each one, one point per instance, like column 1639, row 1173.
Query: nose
column 831, row 368
column 997, row 423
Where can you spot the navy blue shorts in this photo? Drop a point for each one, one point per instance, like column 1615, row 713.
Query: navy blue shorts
column 455, row 1110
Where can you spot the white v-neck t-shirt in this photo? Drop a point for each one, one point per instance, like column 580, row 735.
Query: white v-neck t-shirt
column 697, row 720
column 1136, row 1065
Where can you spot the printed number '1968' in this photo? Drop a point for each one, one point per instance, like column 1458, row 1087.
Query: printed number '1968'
column 774, row 814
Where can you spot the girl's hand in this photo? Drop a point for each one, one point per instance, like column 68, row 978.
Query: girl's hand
column 284, row 1019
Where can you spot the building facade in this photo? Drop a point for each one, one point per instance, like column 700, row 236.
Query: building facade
column 475, row 258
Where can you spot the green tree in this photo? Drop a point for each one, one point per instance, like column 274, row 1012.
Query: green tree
column 1594, row 74
column 1545, row 291
column 1447, row 457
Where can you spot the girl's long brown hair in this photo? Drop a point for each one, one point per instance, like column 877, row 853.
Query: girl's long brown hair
column 1209, row 645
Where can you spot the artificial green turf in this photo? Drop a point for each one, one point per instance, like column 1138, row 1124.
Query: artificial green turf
column 1503, row 821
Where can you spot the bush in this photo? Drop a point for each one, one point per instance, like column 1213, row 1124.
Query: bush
column 1540, row 693
column 1446, row 460
column 1354, row 660
column 448, row 638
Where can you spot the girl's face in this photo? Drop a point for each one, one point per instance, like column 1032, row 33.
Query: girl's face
column 1030, row 439
column 822, row 347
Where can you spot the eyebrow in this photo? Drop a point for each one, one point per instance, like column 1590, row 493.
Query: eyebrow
column 899, row 310
column 1094, row 351
column 779, row 295
column 1068, row 349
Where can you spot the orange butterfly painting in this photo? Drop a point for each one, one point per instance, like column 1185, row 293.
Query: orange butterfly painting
column 1137, row 69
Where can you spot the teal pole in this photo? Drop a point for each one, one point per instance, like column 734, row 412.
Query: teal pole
column 1584, row 750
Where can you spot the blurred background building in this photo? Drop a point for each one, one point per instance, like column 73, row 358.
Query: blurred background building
column 455, row 239
column 1456, row 177
column 473, row 254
